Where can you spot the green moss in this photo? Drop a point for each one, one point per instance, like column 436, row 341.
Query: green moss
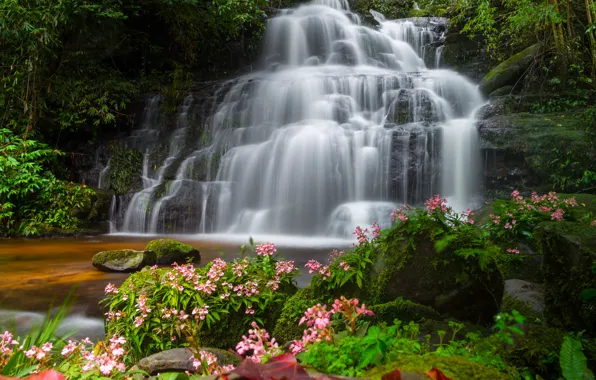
column 510, row 70
column 403, row 310
column 169, row 251
column 569, row 250
column 454, row 367
column 286, row 328
column 536, row 350
column 125, row 169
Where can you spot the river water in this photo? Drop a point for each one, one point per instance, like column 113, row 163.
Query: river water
column 37, row 275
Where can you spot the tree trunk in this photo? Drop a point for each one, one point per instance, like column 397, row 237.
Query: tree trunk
column 589, row 6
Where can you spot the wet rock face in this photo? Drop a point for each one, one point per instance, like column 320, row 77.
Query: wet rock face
column 518, row 146
column 123, row 260
column 528, row 292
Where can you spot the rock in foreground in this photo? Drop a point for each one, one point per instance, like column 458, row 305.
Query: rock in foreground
column 180, row 360
column 123, row 260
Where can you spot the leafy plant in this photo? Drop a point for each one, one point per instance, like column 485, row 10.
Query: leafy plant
column 32, row 200
column 573, row 361
column 159, row 309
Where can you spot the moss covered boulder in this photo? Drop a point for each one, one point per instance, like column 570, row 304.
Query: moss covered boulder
column 459, row 287
column 403, row 310
column 123, row 260
column 569, row 250
column 169, row 251
column 509, row 71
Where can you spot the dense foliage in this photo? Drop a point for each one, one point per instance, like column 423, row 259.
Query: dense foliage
column 78, row 64
column 32, row 200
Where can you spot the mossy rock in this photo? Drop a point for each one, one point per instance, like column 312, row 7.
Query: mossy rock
column 536, row 349
column 569, row 250
column 286, row 327
column 169, row 251
column 123, row 260
column 457, row 287
column 403, row 310
column 505, row 90
column 454, row 367
column 509, row 71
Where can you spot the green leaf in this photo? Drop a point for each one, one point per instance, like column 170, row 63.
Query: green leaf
column 588, row 294
column 573, row 361
column 173, row 376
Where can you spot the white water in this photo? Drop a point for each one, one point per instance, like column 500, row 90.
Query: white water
column 343, row 123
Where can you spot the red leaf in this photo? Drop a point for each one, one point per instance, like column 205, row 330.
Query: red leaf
column 436, row 374
column 248, row 370
column 280, row 367
column 393, row 375
column 284, row 367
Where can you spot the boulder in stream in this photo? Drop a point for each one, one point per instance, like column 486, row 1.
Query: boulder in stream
column 123, row 260
column 169, row 251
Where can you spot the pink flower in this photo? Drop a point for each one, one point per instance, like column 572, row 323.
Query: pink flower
column 513, row 250
column 557, row 215
column 111, row 289
column 508, row 226
column 361, row 234
column 516, row 196
column 436, row 203
column 594, row 223
column 376, row 230
column 343, row 265
column 266, row 249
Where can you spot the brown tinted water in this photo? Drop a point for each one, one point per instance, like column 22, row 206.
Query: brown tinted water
column 34, row 274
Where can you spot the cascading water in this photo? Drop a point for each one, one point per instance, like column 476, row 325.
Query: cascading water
column 344, row 123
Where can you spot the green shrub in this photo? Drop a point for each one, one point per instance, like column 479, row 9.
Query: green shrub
column 158, row 309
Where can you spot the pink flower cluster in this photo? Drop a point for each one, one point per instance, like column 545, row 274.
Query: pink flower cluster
column 6, row 341
column 343, row 265
column 400, row 214
column 206, row 364
column 111, row 289
column 436, row 203
column 348, row 307
column 376, row 230
column 239, row 269
column 594, row 222
column 284, row 267
column 266, row 249
column 39, row 353
column 201, row 313
column 318, row 321
column 557, row 215
column 259, row 344
column 316, row 267
column 108, row 361
column 513, row 250
column 468, row 216
column 143, row 309
column 361, row 235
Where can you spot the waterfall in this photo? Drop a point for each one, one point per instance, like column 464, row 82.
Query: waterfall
column 343, row 123
column 102, row 176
